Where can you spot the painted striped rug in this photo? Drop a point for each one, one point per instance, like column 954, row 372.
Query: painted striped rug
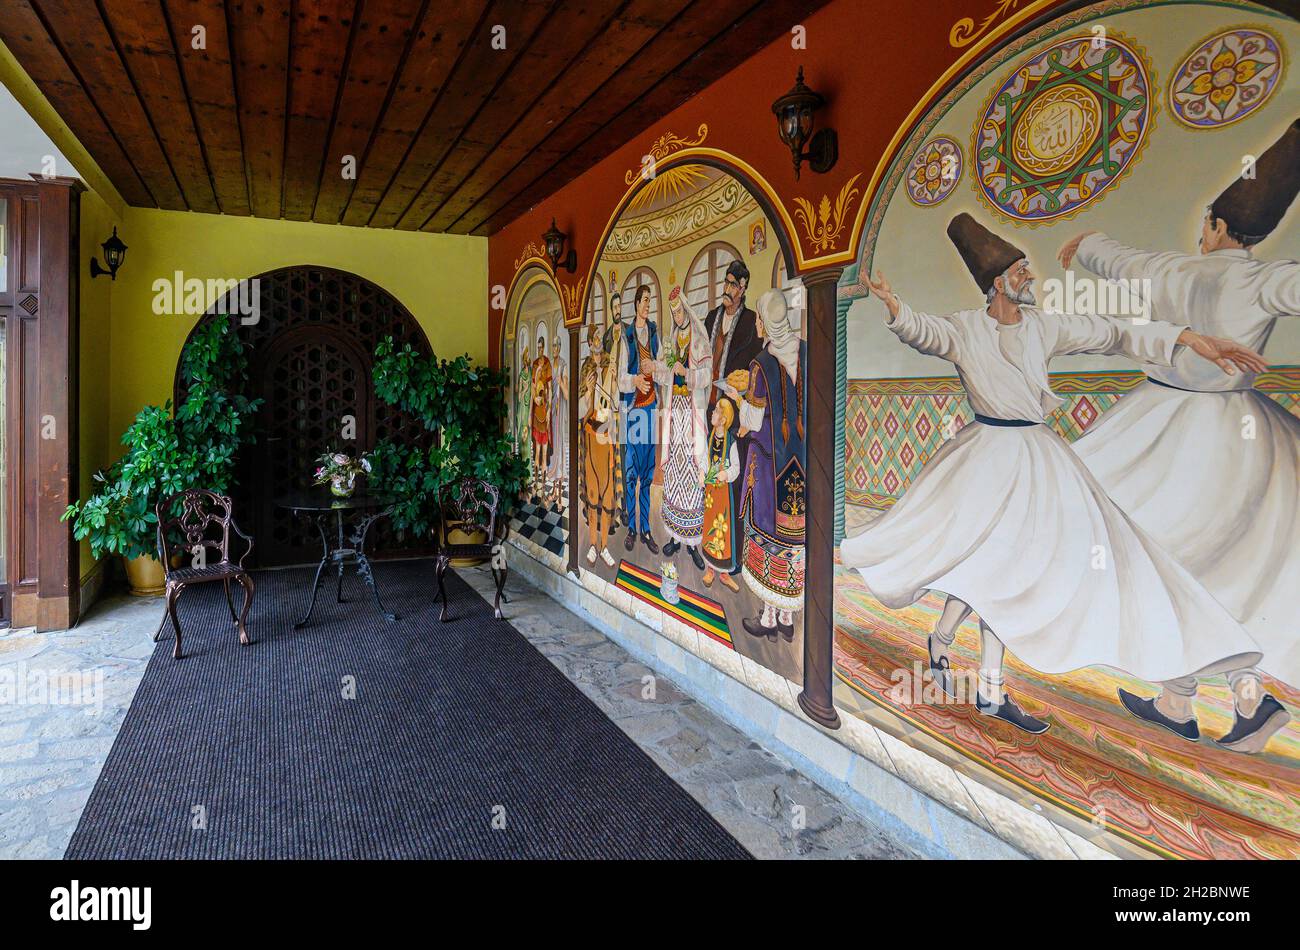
column 695, row 610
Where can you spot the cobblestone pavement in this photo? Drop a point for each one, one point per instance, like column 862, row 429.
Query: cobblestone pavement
column 63, row 695
column 51, row 753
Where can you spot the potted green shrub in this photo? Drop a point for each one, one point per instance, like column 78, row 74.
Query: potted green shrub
column 195, row 447
column 464, row 406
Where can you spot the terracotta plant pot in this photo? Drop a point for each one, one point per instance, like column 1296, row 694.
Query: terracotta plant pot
column 457, row 536
column 144, row 575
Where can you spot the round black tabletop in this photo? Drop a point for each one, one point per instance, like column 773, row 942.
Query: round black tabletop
column 320, row 499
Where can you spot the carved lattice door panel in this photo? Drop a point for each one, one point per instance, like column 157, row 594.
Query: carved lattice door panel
column 311, row 353
column 314, row 383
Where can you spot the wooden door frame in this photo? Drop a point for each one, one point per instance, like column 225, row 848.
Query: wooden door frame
column 41, row 309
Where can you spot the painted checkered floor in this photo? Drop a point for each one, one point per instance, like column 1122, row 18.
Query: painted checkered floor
column 547, row 526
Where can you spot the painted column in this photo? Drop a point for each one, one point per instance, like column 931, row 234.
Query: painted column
column 819, row 589
column 575, row 351
column 845, row 296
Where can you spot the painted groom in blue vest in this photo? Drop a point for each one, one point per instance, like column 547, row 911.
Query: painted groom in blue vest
column 637, row 358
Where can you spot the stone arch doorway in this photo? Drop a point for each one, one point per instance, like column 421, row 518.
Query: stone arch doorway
column 310, row 356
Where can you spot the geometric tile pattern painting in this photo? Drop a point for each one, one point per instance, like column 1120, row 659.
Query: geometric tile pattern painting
column 893, row 426
column 545, row 524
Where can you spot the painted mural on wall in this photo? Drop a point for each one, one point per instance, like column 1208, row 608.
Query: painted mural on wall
column 536, row 353
column 692, row 413
column 1072, row 429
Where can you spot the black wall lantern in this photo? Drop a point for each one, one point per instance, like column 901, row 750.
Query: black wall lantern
column 794, row 123
column 554, row 240
column 114, row 255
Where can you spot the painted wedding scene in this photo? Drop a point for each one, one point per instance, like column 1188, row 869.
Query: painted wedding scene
column 691, row 415
column 1071, row 560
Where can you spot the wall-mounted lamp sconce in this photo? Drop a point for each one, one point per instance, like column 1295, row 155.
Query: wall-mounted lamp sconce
column 794, row 123
column 554, row 240
column 114, row 255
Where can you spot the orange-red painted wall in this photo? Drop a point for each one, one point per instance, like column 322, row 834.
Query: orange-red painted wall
column 873, row 60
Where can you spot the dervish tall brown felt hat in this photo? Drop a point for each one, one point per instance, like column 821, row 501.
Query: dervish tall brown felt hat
column 1252, row 207
column 987, row 256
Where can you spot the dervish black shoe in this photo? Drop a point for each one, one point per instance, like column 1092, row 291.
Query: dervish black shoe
column 940, row 670
column 630, row 543
column 696, row 557
column 1251, row 735
column 786, row 630
column 1008, row 711
column 649, row 542
column 1146, row 709
column 756, row 629
column 671, row 547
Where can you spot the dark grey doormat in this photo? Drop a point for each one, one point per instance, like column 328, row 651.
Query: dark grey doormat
column 255, row 752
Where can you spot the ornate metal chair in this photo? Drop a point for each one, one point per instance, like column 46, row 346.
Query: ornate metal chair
column 204, row 522
column 472, row 505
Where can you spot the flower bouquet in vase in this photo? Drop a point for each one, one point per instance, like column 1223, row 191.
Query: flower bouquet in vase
column 340, row 472
column 668, row 582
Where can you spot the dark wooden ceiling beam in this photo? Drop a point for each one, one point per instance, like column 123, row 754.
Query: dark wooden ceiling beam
column 322, row 40
column 26, row 37
column 543, row 67
column 210, row 85
column 742, row 36
column 673, row 45
column 636, row 25
column 473, row 81
column 140, row 29
column 259, row 38
column 443, row 33
column 80, row 30
column 383, row 36
column 448, row 132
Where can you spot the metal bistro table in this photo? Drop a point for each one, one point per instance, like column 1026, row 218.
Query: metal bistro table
column 319, row 505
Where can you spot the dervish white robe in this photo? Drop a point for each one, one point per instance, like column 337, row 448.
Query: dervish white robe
column 1010, row 521
column 1163, row 453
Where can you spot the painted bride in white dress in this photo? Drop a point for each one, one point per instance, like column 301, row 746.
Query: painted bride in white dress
column 1005, row 518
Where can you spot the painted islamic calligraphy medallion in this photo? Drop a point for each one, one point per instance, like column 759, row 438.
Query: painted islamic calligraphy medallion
column 935, row 171
column 1226, row 78
column 1063, row 128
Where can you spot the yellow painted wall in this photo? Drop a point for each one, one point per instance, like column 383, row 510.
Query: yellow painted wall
column 441, row 279
column 98, row 443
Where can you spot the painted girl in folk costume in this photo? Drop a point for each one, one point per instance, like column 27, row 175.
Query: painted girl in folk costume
column 772, row 496
column 721, row 547
column 559, row 467
column 541, row 409
column 685, row 370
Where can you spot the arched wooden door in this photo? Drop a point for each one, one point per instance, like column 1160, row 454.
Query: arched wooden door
column 315, row 387
column 311, row 355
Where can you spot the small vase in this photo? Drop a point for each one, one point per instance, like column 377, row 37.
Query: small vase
column 668, row 590
column 343, row 487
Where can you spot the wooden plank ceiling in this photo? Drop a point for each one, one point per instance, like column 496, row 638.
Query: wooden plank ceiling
column 250, row 107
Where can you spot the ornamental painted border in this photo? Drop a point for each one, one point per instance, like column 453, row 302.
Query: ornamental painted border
column 1140, row 58
column 1279, row 80
column 720, row 205
column 880, row 199
column 946, row 188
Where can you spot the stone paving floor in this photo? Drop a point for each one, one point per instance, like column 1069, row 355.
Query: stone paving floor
column 53, row 742
column 51, row 753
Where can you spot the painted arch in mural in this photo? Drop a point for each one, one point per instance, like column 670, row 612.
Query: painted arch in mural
column 310, row 355
column 1126, row 118
column 535, row 355
column 693, row 511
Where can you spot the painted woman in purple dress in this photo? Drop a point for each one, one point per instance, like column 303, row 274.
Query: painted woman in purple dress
column 772, row 489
